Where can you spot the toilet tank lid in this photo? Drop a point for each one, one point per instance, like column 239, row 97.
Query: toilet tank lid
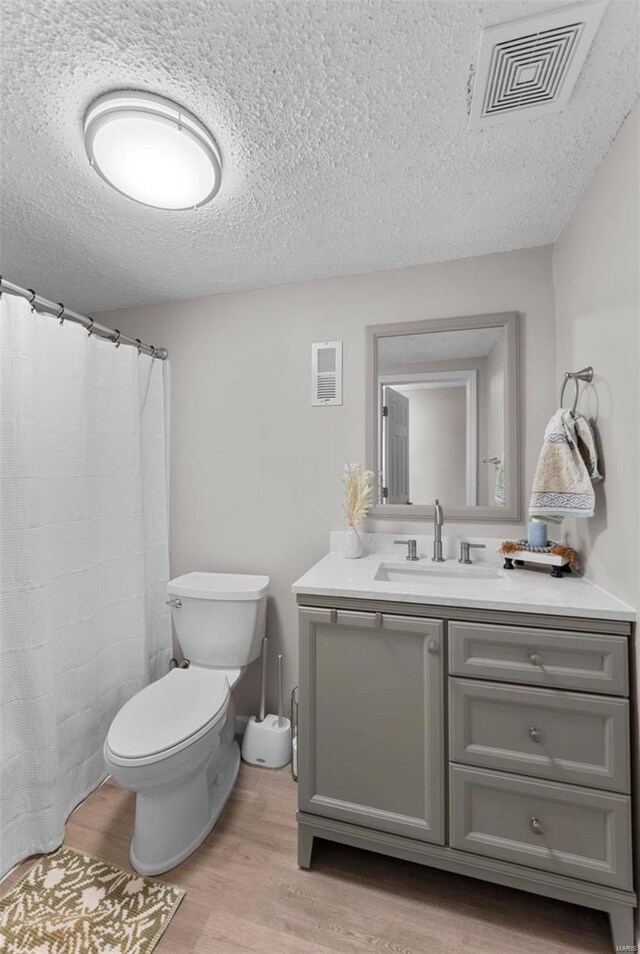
column 219, row 586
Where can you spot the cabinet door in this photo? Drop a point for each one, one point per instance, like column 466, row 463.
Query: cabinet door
column 371, row 721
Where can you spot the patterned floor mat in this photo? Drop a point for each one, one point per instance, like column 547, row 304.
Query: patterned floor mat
column 72, row 903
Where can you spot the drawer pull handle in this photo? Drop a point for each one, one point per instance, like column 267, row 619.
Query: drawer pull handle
column 534, row 735
column 433, row 648
column 535, row 659
column 536, row 827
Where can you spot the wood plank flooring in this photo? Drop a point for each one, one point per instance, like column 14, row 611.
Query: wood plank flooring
column 245, row 892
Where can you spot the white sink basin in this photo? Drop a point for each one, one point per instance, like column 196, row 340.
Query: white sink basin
column 436, row 573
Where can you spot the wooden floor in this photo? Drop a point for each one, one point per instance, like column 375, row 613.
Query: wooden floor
column 245, row 892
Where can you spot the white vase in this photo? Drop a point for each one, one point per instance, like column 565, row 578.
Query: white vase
column 352, row 546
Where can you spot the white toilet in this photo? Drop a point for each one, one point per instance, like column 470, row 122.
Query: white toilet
column 173, row 743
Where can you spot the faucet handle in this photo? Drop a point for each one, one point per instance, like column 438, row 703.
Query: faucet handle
column 465, row 546
column 412, row 548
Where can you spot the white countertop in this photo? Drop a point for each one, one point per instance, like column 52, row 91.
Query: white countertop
column 521, row 590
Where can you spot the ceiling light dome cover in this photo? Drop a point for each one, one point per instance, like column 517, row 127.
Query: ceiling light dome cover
column 151, row 150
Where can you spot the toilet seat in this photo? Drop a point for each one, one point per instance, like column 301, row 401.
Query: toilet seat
column 168, row 715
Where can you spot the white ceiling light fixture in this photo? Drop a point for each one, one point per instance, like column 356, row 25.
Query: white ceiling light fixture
column 152, row 150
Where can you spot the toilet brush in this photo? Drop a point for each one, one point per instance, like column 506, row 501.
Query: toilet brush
column 267, row 738
column 263, row 683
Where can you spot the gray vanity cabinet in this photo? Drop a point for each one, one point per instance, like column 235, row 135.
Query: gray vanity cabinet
column 490, row 743
column 371, row 729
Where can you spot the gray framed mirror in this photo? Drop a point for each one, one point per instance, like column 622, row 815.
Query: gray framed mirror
column 443, row 417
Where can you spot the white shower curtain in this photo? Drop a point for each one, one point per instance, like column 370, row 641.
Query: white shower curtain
column 83, row 561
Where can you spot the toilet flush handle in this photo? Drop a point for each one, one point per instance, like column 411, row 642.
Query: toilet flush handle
column 175, row 603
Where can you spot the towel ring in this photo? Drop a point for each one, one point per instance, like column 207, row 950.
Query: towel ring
column 585, row 375
column 570, row 377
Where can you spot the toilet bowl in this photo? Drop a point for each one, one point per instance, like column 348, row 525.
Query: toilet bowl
column 173, row 742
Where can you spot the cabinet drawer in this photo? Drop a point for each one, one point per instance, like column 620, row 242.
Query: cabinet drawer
column 563, row 736
column 541, row 657
column 560, row 828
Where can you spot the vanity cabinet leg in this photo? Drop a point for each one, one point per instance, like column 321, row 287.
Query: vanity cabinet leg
column 622, row 928
column 305, row 846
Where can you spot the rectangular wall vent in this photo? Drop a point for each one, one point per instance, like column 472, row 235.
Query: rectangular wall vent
column 326, row 373
column 529, row 67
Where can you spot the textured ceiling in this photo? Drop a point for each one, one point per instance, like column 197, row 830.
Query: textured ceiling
column 343, row 129
column 436, row 346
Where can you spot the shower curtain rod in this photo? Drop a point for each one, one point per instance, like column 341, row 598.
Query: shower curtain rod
column 58, row 310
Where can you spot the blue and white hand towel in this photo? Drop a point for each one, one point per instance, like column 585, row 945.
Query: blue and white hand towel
column 567, row 469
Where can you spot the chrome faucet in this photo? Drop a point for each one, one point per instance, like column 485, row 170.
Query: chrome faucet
column 438, row 520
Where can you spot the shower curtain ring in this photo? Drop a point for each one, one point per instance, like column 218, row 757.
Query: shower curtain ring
column 60, row 314
column 32, row 299
column 139, row 343
column 89, row 329
column 0, row 286
column 116, row 340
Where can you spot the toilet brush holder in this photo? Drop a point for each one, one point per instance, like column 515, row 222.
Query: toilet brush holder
column 267, row 738
column 267, row 743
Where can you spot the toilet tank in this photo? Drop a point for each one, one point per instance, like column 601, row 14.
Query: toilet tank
column 219, row 618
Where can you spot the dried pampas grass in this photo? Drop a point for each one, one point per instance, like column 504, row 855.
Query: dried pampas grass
column 358, row 493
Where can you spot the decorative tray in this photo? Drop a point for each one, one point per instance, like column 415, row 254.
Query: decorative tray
column 558, row 557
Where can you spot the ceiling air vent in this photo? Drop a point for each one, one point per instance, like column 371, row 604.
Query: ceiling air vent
column 326, row 373
column 529, row 67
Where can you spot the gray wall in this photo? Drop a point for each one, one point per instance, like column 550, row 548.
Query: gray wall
column 595, row 271
column 596, row 277
column 255, row 470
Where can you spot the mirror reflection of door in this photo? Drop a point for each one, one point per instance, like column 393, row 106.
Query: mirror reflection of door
column 442, row 426
column 430, row 430
column 395, row 446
